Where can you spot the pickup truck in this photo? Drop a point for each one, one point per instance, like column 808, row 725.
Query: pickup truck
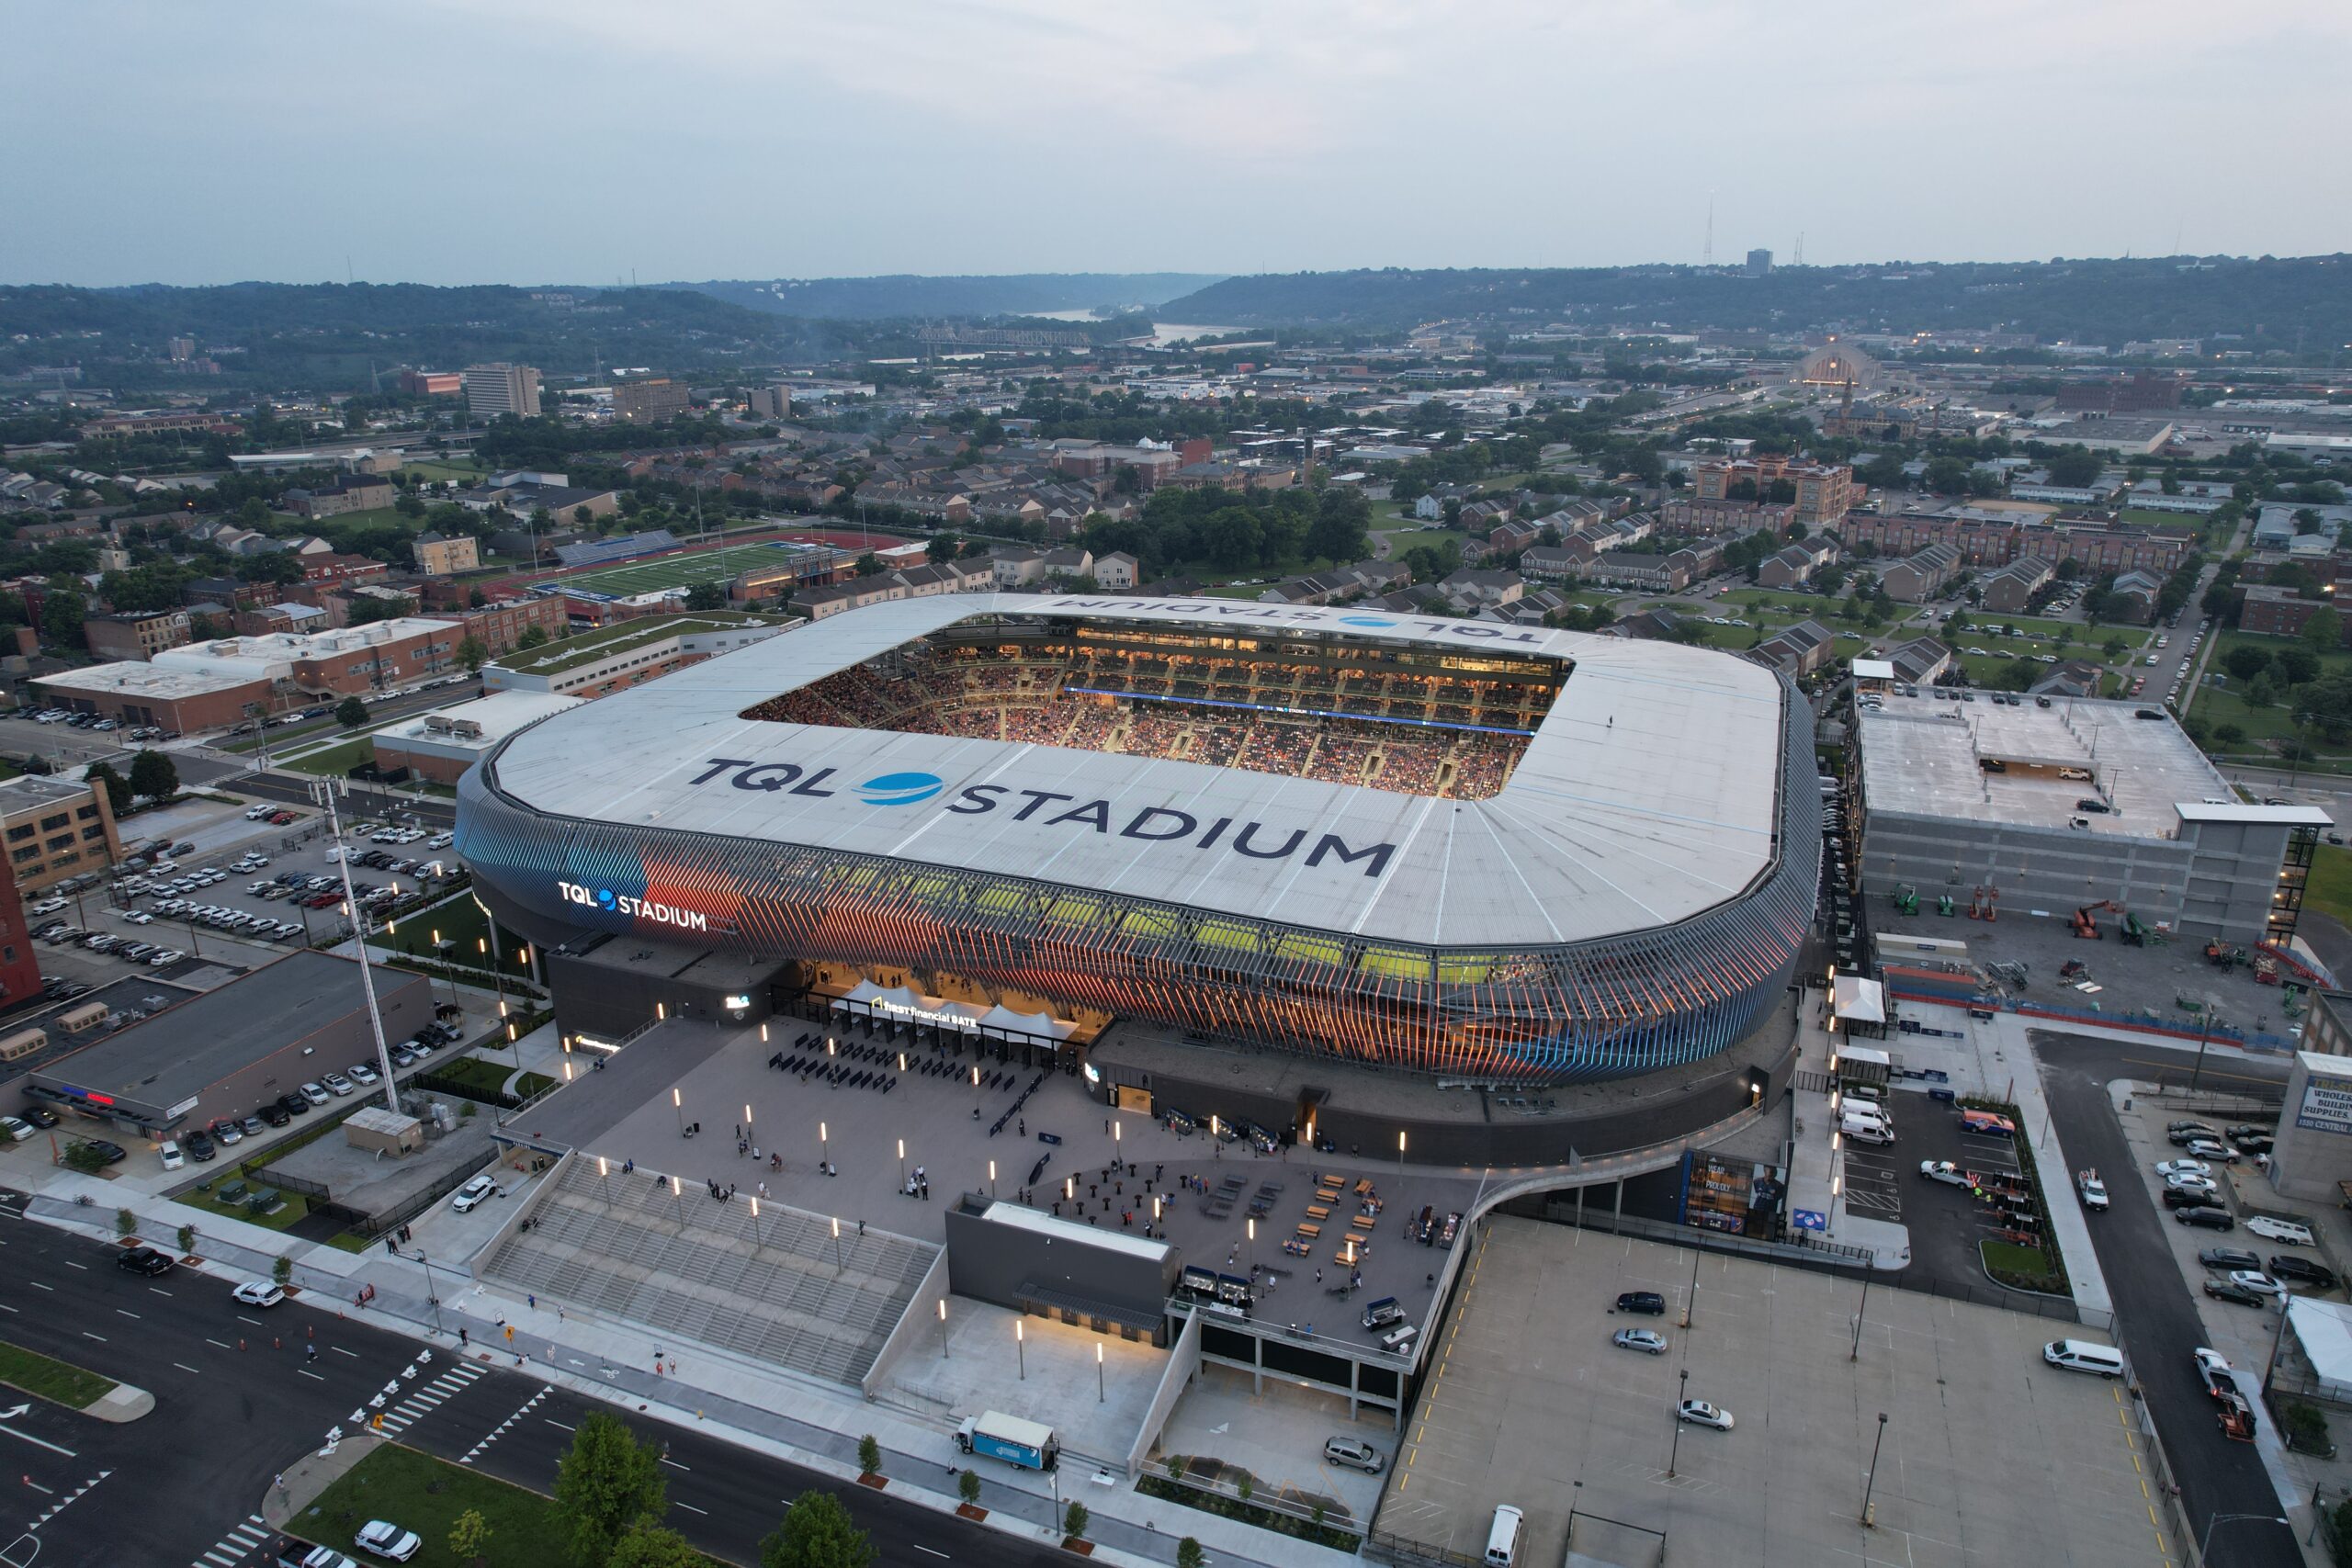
column 2093, row 1190
column 1029, row 1444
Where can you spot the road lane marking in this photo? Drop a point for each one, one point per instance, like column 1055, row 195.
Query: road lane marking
column 691, row 1508
column 254, row 1321
column 308, row 1373
column 128, row 1313
column 674, row 1464
column 38, row 1442
column 920, row 1547
column 37, row 1285
column 71, row 1264
column 217, row 1342
column 185, row 1368
column 99, row 1338
column 6, row 1307
column 341, row 1351
column 560, row 1426
column 159, row 1289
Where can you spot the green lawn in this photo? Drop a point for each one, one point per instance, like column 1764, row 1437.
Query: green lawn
column 2038, row 627
column 2221, row 703
column 292, row 1208
column 335, row 759
column 2329, row 888
column 423, row 1493
column 491, row 1076
column 461, row 469
column 36, row 1374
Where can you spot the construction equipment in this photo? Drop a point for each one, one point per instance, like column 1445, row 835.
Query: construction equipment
column 2084, row 926
column 2223, row 956
column 1981, row 903
column 1944, row 905
column 2135, row 930
column 1907, row 899
column 2266, row 969
column 2009, row 971
column 2293, row 964
column 2072, row 969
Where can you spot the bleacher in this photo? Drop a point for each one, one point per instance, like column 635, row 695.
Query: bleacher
column 768, row 1288
column 1087, row 697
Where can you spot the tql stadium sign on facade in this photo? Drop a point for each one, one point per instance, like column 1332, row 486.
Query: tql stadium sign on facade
column 1051, row 809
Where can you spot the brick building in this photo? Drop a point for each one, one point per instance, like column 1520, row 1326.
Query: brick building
column 648, row 399
column 2011, row 587
column 19, row 967
column 1739, row 518
column 208, row 685
column 499, row 627
column 2277, row 612
column 440, row 555
column 347, row 492
column 1825, row 491
column 135, row 634
column 54, row 829
column 1918, row 578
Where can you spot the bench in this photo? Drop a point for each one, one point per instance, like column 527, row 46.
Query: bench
column 1356, row 1240
column 1310, row 1232
column 1317, row 1211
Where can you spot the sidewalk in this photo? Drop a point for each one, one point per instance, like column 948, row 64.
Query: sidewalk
column 606, row 1360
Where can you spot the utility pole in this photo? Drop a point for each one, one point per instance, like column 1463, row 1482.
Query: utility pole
column 325, row 793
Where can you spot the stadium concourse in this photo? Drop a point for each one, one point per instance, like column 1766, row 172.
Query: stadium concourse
column 1472, row 851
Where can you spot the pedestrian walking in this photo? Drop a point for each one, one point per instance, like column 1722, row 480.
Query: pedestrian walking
column 532, row 1298
column 309, row 1352
column 463, row 1337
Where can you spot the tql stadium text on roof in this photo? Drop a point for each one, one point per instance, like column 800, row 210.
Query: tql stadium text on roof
column 1538, row 856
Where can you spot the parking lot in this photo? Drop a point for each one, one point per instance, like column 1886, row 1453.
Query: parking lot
column 1947, row 1221
column 1988, row 1454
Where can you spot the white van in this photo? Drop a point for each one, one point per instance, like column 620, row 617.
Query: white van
column 1866, row 1130
column 1502, row 1540
column 2082, row 1356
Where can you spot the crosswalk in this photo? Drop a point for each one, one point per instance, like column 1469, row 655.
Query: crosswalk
column 238, row 1546
column 424, row 1397
column 499, row 1430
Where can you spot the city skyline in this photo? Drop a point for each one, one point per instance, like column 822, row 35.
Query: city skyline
column 523, row 142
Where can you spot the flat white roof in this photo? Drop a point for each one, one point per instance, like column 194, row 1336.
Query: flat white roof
column 1648, row 795
column 1873, row 669
column 1057, row 1229
column 500, row 714
column 134, row 678
column 1925, row 756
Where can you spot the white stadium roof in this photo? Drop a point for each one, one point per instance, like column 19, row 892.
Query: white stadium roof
column 1647, row 795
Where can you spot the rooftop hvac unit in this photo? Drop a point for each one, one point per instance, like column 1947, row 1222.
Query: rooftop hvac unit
column 470, row 729
column 437, row 724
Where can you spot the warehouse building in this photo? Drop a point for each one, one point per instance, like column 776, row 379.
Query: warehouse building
column 2053, row 802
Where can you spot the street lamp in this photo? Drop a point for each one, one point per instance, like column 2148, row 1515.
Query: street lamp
column 1675, row 1452
column 432, row 1291
column 1871, row 1483
column 943, row 1328
column 758, row 1227
column 1021, row 1348
column 991, row 1178
column 678, row 1104
column 902, row 1163
column 1856, row 1354
column 1400, row 1153
column 821, row 1163
column 837, row 1244
column 1099, row 1395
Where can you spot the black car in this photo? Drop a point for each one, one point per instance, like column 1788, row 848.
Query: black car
column 2207, row 1215
column 2231, row 1290
column 2248, row 1130
column 143, row 1260
column 295, row 1104
column 2183, row 1136
column 2319, row 1276
column 2182, row 1197
column 39, row 1116
column 277, row 1115
column 2260, row 1144
column 2228, row 1257
column 109, row 1154
column 1648, row 1302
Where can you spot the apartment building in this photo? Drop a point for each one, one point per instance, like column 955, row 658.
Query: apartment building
column 500, row 387
column 648, row 399
column 1918, row 578
column 135, row 634
column 444, row 555
column 54, row 829
column 1825, row 491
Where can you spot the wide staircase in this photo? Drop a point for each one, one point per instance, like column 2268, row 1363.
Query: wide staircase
column 769, row 1287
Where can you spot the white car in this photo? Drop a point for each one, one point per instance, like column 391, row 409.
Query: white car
column 258, row 1293
column 380, row 1538
column 1699, row 1413
column 1648, row 1340
column 481, row 1190
column 1943, row 1170
column 18, row 1131
column 2255, row 1280
column 2094, row 1191
column 139, row 919
column 2287, row 1231
column 315, row 1093
column 360, row 1072
column 2209, row 1362
column 2172, row 1167
column 2186, row 1182
column 168, row 1151
column 337, row 1085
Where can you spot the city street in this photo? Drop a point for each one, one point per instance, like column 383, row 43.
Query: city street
column 236, row 1402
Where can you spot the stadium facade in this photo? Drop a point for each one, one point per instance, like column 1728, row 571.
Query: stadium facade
column 1592, row 857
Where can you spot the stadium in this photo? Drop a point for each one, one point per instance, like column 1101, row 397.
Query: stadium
column 1483, row 852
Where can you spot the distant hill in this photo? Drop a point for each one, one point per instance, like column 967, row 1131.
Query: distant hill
column 2267, row 301
column 910, row 297
column 328, row 335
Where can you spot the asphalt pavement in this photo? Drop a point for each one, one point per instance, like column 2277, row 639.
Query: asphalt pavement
column 2157, row 1318
column 237, row 1400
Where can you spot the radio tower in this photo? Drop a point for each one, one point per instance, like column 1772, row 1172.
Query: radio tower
column 1707, row 256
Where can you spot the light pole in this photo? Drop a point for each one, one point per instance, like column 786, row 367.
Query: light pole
column 1400, row 1153
column 1691, row 1300
column 1099, row 1397
column 943, row 1328
column 1871, row 1483
column 1856, row 1354
column 1674, row 1453
column 759, row 1227
column 838, row 1265
column 432, row 1290
column 902, row 1164
column 747, row 1124
column 2225, row 1518
column 822, row 1164
column 991, row 1178
column 1021, row 1348
column 678, row 1104
column 325, row 793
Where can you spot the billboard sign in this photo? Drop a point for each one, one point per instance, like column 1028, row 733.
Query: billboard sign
column 2327, row 1104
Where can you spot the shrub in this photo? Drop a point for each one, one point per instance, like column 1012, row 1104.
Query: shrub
column 188, row 1238
column 1074, row 1518
column 125, row 1223
column 2306, row 1426
column 967, row 1487
column 869, row 1455
column 1188, row 1553
column 283, row 1269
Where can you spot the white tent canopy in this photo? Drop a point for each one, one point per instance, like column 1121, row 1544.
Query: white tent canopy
column 1858, row 1000
column 900, row 1001
column 2324, row 1329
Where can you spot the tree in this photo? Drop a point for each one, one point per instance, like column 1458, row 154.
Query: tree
column 1189, row 1554
column 817, row 1532
column 468, row 1535
column 648, row 1545
column 533, row 637
column 2244, row 662
column 476, row 599
column 712, row 596
column 2328, row 703
column 942, row 549
column 968, row 1487
column 2228, row 734
column 118, row 792
column 607, row 1480
column 869, row 1455
column 62, row 615
column 188, row 1238
column 2074, row 466
column 1074, row 1518
column 351, row 713
column 869, row 565
column 2324, row 631
column 154, row 775
column 125, row 1224
column 281, row 1268
column 2296, row 665
column 470, row 654
column 85, row 1155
